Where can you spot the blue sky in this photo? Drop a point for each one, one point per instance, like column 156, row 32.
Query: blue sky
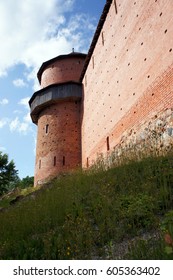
column 33, row 31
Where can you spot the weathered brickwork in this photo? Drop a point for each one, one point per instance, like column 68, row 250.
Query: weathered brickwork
column 62, row 70
column 56, row 109
column 129, row 78
column 127, row 81
column 58, row 140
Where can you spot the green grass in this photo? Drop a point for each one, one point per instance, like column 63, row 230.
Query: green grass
column 7, row 198
column 80, row 216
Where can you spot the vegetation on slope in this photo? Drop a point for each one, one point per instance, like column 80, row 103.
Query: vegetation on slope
column 8, row 173
column 89, row 215
column 10, row 183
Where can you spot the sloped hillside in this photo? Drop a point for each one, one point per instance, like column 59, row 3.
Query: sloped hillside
column 124, row 212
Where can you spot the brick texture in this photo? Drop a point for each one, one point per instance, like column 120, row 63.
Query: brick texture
column 58, row 149
column 62, row 70
column 59, row 128
column 127, row 84
column 130, row 75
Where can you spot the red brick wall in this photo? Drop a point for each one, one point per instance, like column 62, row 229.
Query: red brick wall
column 130, row 75
column 61, row 141
column 63, row 70
column 59, row 149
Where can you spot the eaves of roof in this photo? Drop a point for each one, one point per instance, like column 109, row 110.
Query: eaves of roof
column 49, row 87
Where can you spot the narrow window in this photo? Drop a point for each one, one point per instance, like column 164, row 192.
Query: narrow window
column 85, row 80
column 47, row 128
column 87, row 162
column 54, row 161
column 40, row 164
column 63, row 161
column 115, row 4
column 107, row 142
column 93, row 61
column 103, row 41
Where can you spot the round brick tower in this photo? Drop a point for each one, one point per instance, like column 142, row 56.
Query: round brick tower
column 55, row 108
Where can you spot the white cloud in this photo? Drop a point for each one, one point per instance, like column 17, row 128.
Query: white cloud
column 19, row 83
column 17, row 126
column 17, row 112
column 2, row 149
column 24, row 102
column 33, row 32
column 25, row 125
column 27, row 118
column 22, row 125
column 29, row 24
column 4, row 101
column 14, row 124
column 3, row 122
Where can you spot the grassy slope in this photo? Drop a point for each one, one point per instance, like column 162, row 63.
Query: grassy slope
column 85, row 215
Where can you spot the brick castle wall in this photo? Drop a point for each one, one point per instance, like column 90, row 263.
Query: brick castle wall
column 129, row 79
column 59, row 123
column 58, row 140
column 127, row 91
column 62, row 70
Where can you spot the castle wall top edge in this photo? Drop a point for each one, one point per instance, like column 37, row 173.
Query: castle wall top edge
column 96, row 36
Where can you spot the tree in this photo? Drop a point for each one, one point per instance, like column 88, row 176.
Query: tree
column 26, row 182
column 8, row 173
